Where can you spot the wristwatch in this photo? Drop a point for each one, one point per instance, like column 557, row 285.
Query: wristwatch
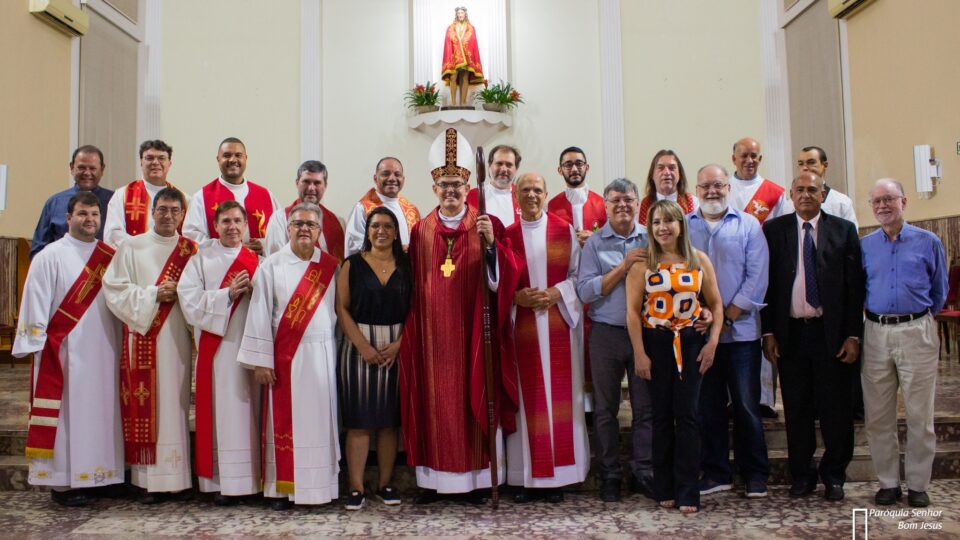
column 728, row 322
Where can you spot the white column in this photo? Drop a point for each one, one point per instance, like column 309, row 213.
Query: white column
column 848, row 115
column 151, row 61
column 311, row 90
column 773, row 65
column 611, row 92
column 495, row 67
column 420, row 19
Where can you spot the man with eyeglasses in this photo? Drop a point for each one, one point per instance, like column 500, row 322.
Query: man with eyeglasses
column 814, row 159
column 735, row 243
column 311, row 184
column 606, row 258
column 906, row 287
column 140, row 287
column 442, row 352
column 503, row 162
column 128, row 213
column 388, row 181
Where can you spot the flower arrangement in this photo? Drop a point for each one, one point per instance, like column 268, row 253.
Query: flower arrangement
column 501, row 93
column 423, row 95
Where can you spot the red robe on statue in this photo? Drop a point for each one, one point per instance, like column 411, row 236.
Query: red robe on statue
column 460, row 51
column 442, row 397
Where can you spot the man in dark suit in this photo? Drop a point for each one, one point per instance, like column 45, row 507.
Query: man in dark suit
column 811, row 327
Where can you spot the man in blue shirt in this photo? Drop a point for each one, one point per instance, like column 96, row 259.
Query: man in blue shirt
column 604, row 262
column 735, row 243
column 86, row 166
column 906, row 287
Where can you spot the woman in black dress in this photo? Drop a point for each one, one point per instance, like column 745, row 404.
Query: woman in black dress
column 373, row 296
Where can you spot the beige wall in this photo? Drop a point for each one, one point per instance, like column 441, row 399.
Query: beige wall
column 231, row 68
column 904, row 81
column 34, row 115
column 691, row 80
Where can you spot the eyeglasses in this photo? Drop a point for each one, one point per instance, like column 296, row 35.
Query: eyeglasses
column 300, row 224
column 717, row 186
column 626, row 200
column 165, row 210
column 884, row 201
column 571, row 164
column 450, row 186
column 151, row 159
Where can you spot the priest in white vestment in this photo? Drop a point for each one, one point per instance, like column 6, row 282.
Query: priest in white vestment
column 141, row 290
column 214, row 296
column 548, row 319
column 388, row 181
column 289, row 340
column 311, row 185
column 88, row 447
column 503, row 162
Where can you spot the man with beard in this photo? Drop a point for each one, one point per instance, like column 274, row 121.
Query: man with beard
column 503, row 161
column 257, row 201
column 734, row 242
column 128, row 213
column 814, row 159
column 584, row 209
column 87, row 168
column 666, row 179
column 388, row 181
column 311, row 185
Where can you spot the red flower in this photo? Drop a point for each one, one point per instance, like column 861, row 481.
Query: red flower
column 514, row 95
column 433, row 89
column 419, row 89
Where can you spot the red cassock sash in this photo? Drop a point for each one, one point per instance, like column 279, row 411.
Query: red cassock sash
column 332, row 230
column 372, row 200
column 764, row 200
column 296, row 317
column 138, row 370
column 45, row 400
column 546, row 452
column 209, row 343
column 685, row 202
column 136, row 207
column 474, row 201
column 258, row 205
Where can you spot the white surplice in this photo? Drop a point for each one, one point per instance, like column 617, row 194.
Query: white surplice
column 115, row 226
column 357, row 223
column 500, row 203
column 131, row 293
column 88, row 451
column 277, row 235
column 519, row 472
column 236, row 396
column 195, row 222
column 742, row 191
column 312, row 378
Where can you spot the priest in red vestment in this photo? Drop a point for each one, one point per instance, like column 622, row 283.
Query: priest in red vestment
column 461, row 58
column 443, row 400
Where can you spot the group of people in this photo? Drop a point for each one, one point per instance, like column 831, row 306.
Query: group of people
column 384, row 327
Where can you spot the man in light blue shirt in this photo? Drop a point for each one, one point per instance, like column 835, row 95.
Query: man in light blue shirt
column 906, row 287
column 604, row 262
column 735, row 244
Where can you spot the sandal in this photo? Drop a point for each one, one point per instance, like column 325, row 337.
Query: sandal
column 689, row 509
column 670, row 503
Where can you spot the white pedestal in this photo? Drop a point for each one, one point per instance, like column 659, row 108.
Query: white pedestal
column 476, row 126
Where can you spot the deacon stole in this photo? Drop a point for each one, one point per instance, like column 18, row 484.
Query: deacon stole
column 442, row 392
column 474, row 201
column 332, row 230
column 372, row 200
column 258, row 205
column 206, row 350
column 297, row 315
column 685, row 202
column 136, row 207
column 546, row 451
column 46, row 399
column 764, row 200
column 138, row 370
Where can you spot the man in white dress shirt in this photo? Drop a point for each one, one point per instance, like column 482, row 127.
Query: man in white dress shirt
column 814, row 159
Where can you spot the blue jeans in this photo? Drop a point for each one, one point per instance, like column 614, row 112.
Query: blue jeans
column 736, row 369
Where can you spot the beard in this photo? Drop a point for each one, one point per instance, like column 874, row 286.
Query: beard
column 713, row 206
column 575, row 183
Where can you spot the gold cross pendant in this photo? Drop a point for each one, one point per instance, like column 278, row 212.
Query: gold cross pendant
column 448, row 267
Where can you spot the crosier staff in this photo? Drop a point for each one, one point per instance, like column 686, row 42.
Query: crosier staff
column 487, row 326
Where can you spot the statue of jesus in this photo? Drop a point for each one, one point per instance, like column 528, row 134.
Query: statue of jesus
column 461, row 58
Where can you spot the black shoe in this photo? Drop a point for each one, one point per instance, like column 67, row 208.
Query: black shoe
column 281, row 504
column 426, row 496
column 888, row 496
column 72, row 497
column 768, row 412
column 918, row 499
column 355, row 500
column 525, row 495
column 610, row 490
column 220, row 499
column 388, row 496
column 833, row 492
column 113, row 491
column 553, row 496
column 477, row 496
column 642, row 486
column 180, row 496
column 145, row 497
column 802, row 487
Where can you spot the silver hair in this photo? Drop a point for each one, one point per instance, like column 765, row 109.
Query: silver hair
column 621, row 185
column 307, row 207
column 717, row 165
column 893, row 181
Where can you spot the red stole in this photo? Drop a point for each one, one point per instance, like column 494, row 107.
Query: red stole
column 371, row 200
column 473, row 200
column 546, row 452
column 685, row 202
column 297, row 315
column 258, row 205
column 332, row 230
column 138, row 370
column 442, row 390
column 136, row 207
column 764, row 200
column 45, row 401
column 209, row 343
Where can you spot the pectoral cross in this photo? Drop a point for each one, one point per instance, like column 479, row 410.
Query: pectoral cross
column 141, row 393
column 447, row 267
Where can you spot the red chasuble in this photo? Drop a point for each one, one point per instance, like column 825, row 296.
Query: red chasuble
column 764, row 200
column 685, row 202
column 138, row 370
column 372, row 200
column 45, row 401
column 546, row 452
column 209, row 343
column 296, row 317
column 473, row 200
column 442, row 395
column 136, row 207
column 332, row 231
column 460, row 51
column 258, row 205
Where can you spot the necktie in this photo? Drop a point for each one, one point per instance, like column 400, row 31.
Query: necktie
column 810, row 266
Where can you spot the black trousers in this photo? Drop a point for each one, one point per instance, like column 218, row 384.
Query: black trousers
column 676, row 429
column 814, row 382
